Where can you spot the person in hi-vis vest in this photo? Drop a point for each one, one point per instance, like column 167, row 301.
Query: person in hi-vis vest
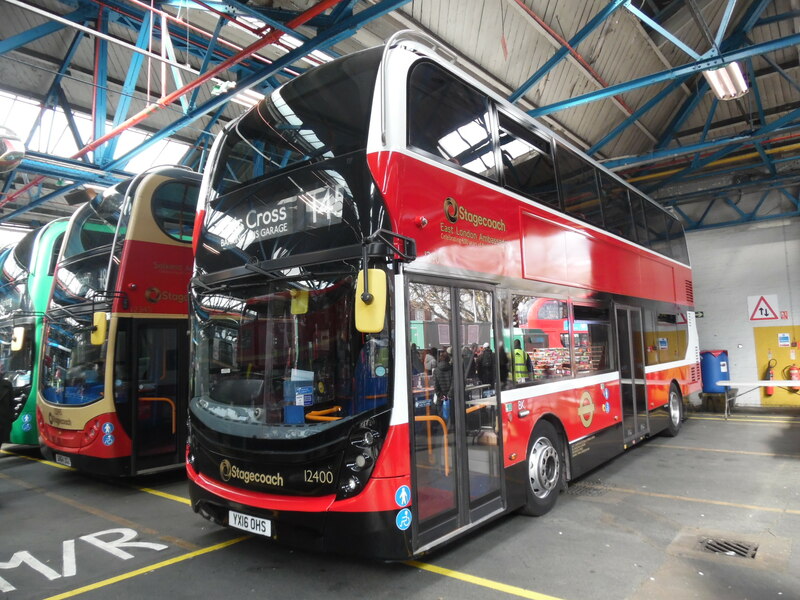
column 522, row 363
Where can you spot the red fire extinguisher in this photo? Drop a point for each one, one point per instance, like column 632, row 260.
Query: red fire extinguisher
column 770, row 389
column 794, row 375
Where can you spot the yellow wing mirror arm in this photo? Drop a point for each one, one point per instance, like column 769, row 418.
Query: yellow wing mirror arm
column 366, row 297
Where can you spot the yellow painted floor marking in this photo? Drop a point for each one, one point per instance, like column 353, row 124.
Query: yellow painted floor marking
column 772, row 509
column 172, row 497
column 487, row 583
column 50, row 463
column 760, row 420
column 723, row 451
column 148, row 569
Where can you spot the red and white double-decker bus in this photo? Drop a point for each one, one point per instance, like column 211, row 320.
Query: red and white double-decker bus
column 388, row 189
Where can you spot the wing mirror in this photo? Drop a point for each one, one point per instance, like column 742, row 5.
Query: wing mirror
column 17, row 339
column 299, row 301
column 99, row 329
column 371, row 291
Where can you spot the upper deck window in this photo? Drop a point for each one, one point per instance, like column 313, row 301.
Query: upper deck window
column 321, row 115
column 677, row 240
column 97, row 222
column 527, row 163
column 617, row 207
column 174, row 206
column 656, row 221
column 579, row 187
column 450, row 120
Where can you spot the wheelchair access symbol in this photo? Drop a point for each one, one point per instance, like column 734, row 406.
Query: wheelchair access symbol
column 403, row 519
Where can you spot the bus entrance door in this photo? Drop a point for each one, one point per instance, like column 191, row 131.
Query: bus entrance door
column 160, row 362
column 633, row 387
column 454, row 410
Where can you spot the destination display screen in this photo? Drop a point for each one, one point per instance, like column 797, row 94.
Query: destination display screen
column 261, row 218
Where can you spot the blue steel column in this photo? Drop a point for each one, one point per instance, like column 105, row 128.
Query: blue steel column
column 101, row 83
column 54, row 96
column 323, row 40
column 129, row 86
column 207, row 59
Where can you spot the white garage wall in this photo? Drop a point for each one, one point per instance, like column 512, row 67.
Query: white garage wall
column 731, row 264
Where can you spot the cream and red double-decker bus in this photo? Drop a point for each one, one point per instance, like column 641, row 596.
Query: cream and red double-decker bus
column 113, row 392
column 388, row 199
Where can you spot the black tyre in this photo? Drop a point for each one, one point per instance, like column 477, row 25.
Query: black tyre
column 675, row 407
column 546, row 470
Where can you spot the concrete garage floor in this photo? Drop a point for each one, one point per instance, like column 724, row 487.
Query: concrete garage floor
column 629, row 530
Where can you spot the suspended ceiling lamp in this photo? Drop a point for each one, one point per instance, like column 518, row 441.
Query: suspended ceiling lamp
column 727, row 82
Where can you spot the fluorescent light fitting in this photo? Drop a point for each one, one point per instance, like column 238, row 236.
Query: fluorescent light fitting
column 727, row 82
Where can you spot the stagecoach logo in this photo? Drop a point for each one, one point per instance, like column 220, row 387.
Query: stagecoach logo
column 227, row 471
column 453, row 212
column 57, row 421
column 586, row 409
column 154, row 295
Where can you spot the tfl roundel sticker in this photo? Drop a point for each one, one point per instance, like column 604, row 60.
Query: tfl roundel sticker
column 586, row 409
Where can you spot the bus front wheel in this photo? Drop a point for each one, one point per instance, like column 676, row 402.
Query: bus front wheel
column 545, row 470
column 675, row 411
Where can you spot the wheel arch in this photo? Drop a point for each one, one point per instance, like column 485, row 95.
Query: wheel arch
column 684, row 396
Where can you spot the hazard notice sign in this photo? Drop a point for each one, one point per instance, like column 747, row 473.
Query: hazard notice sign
column 763, row 308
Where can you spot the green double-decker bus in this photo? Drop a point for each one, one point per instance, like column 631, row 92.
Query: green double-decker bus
column 26, row 278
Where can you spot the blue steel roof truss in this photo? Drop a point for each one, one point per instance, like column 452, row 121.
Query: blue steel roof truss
column 737, row 46
column 656, row 168
column 105, row 168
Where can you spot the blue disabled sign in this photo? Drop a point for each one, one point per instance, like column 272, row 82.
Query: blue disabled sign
column 402, row 496
column 403, row 519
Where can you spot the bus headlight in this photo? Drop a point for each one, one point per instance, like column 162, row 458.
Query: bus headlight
column 189, row 443
column 359, row 460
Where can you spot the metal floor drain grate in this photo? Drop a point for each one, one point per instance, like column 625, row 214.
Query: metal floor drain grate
column 588, row 488
column 729, row 547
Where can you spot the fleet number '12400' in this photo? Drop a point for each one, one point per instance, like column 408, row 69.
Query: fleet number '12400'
column 311, row 476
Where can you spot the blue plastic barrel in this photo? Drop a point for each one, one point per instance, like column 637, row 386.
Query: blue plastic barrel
column 714, row 368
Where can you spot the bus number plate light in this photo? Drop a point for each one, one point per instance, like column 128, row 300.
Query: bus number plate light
column 248, row 523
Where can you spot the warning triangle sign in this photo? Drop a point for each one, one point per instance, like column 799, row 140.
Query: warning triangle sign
column 763, row 311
